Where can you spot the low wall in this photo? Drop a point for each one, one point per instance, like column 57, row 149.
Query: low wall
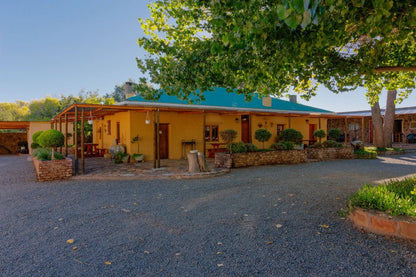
column 323, row 154
column 383, row 224
column 9, row 142
column 53, row 170
column 260, row 158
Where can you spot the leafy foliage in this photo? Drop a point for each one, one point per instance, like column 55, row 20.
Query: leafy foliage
column 274, row 46
column 283, row 145
column 51, row 138
column 36, row 135
column 365, row 154
column 334, row 134
column 239, row 147
column 395, row 197
column 332, row 144
column 291, row 135
column 45, row 154
column 34, row 145
column 228, row 136
column 251, row 147
column 319, row 134
column 262, row 135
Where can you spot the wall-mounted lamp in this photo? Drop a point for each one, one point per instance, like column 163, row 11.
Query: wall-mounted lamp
column 307, row 121
column 236, row 120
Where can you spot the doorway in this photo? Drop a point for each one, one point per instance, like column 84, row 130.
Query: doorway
column 163, row 140
column 398, row 131
column 312, row 128
column 245, row 128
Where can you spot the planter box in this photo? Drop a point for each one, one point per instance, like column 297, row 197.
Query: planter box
column 323, row 154
column 53, row 170
column 380, row 223
column 260, row 158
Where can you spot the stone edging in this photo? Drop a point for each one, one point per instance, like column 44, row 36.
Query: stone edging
column 380, row 223
column 199, row 175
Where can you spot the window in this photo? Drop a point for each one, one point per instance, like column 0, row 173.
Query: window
column 412, row 125
column 279, row 129
column 211, row 132
column 354, row 126
column 109, row 127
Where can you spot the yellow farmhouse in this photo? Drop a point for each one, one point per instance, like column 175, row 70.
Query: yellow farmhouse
column 135, row 122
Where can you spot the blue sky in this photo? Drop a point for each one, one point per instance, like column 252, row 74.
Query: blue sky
column 50, row 47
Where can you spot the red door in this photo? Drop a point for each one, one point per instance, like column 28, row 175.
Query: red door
column 164, row 140
column 245, row 128
column 312, row 128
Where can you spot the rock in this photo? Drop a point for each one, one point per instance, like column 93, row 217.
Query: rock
column 358, row 144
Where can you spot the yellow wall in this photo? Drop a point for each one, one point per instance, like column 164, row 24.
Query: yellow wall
column 187, row 126
column 33, row 128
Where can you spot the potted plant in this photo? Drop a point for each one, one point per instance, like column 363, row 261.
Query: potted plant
column 137, row 156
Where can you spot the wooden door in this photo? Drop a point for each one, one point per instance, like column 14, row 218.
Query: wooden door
column 312, row 128
column 164, row 140
column 245, row 128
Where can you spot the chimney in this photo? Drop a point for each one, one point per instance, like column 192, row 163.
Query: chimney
column 128, row 89
column 293, row 98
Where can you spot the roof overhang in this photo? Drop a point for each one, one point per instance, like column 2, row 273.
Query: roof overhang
column 16, row 125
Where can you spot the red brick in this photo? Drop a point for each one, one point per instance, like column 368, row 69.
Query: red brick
column 360, row 218
column 408, row 229
column 383, row 226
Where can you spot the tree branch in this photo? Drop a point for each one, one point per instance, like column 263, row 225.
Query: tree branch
column 395, row 69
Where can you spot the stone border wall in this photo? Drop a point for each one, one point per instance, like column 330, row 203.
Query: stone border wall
column 383, row 224
column 53, row 170
column 323, row 154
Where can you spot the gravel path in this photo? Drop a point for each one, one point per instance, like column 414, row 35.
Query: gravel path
column 266, row 221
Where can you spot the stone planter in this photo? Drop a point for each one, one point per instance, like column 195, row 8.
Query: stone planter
column 383, row 224
column 223, row 160
column 53, row 170
column 323, row 154
column 269, row 158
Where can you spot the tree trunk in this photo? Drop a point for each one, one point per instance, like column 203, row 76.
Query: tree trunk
column 193, row 161
column 378, row 138
column 53, row 154
column 203, row 167
column 389, row 117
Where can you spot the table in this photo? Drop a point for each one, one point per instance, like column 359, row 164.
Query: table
column 190, row 143
column 215, row 148
column 91, row 150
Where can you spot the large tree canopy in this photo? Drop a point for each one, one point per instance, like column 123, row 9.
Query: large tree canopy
column 272, row 46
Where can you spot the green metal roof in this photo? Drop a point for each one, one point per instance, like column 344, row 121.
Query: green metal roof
column 221, row 98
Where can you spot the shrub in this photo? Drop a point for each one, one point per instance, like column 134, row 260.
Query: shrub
column 228, row 136
column 45, row 154
column 52, row 139
column 239, row 147
column 34, row 145
column 251, row 147
column 291, row 135
column 35, row 136
column 316, row 145
column 319, row 134
column 262, row 135
column 118, row 158
column 395, row 197
column 334, row 134
column 332, row 144
column 365, row 154
column 283, row 145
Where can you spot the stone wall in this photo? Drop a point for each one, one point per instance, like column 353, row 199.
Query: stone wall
column 223, row 160
column 9, row 142
column 53, row 170
column 323, row 154
column 269, row 157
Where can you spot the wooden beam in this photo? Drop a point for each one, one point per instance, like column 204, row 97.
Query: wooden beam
column 362, row 129
column 82, row 140
column 66, row 135
column 75, row 134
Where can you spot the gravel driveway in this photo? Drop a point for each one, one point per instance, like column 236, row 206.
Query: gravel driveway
column 269, row 221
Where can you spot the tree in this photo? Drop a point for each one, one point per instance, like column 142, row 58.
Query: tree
column 262, row 135
column 291, row 135
column 319, row 134
column 118, row 94
column 334, row 134
column 51, row 139
column 228, row 136
column 271, row 47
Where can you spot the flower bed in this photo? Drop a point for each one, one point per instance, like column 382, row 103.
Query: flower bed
column 322, row 154
column 260, row 158
column 53, row 170
column 388, row 209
